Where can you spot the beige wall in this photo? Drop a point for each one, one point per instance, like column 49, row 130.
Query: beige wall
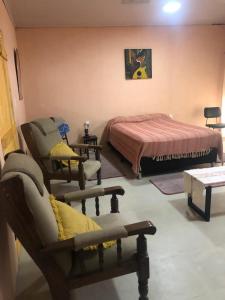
column 78, row 73
column 8, row 258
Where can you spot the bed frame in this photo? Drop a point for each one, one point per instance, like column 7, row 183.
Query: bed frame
column 149, row 166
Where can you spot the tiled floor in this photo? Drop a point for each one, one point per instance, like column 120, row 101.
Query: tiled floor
column 187, row 254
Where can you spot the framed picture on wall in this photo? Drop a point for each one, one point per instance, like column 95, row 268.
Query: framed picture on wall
column 138, row 63
column 18, row 73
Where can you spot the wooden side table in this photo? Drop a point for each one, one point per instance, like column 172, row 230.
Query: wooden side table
column 91, row 140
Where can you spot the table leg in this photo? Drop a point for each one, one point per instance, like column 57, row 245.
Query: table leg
column 204, row 214
column 208, row 202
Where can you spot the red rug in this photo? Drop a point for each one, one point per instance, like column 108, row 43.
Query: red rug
column 109, row 170
column 169, row 184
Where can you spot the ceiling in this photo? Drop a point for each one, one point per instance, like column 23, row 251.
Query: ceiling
column 70, row 13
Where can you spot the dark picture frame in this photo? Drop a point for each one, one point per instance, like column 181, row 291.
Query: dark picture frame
column 138, row 63
column 18, row 73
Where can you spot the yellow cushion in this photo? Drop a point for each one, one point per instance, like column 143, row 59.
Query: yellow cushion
column 71, row 222
column 63, row 149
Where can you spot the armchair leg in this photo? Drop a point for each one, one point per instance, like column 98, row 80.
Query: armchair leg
column 83, row 206
column 99, row 176
column 143, row 267
column 114, row 204
column 57, row 285
column 59, row 293
column 82, row 184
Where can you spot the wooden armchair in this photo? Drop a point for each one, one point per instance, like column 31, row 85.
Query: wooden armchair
column 40, row 136
column 65, row 264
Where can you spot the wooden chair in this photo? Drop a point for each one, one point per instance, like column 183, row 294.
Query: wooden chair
column 65, row 264
column 40, row 136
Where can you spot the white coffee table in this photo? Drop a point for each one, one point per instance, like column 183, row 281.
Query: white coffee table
column 198, row 180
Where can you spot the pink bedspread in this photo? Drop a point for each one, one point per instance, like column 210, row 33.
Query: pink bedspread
column 160, row 137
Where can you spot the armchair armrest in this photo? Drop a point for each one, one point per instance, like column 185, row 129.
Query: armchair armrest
column 98, row 237
column 86, row 239
column 91, row 193
column 68, row 157
column 86, row 146
column 82, row 195
column 144, row 227
column 58, row 246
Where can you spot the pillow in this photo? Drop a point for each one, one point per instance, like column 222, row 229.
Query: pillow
column 63, row 149
column 71, row 222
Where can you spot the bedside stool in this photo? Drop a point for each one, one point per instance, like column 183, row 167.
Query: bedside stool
column 91, row 140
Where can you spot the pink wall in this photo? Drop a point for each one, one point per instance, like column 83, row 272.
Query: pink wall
column 78, row 73
column 223, row 96
column 8, row 257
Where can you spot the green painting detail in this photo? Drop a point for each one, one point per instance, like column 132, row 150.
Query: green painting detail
column 138, row 63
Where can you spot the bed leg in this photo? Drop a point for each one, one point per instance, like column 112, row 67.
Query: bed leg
column 139, row 176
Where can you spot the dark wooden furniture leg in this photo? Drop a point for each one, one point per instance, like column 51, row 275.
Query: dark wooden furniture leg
column 81, row 176
column 58, row 290
column 99, row 176
column 99, row 172
column 206, row 213
column 143, row 267
column 82, row 184
column 87, row 152
column 83, row 206
column 114, row 204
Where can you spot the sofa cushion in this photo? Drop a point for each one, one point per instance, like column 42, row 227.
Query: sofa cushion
column 61, row 149
column 45, row 142
column 17, row 162
column 45, row 125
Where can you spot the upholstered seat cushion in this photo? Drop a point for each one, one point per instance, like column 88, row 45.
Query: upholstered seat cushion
column 90, row 168
column 129, row 250
column 129, row 247
column 217, row 125
column 116, row 219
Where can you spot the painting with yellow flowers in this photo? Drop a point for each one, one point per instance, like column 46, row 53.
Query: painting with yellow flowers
column 138, row 63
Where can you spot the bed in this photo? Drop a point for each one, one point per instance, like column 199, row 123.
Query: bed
column 155, row 139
